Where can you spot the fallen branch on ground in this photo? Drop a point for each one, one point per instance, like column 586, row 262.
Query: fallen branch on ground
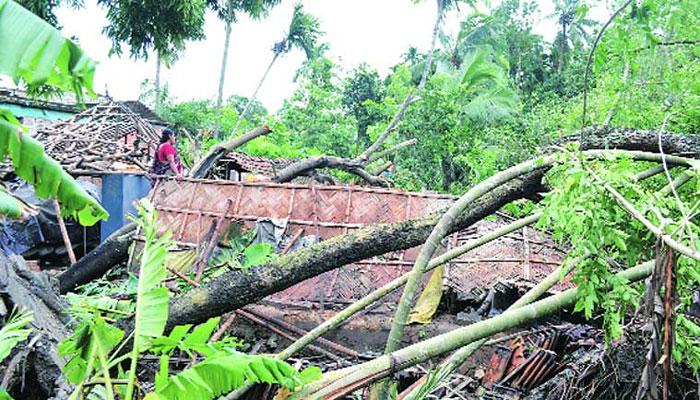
column 458, row 358
column 445, row 225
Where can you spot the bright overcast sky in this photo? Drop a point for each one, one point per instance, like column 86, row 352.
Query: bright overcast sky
column 374, row 31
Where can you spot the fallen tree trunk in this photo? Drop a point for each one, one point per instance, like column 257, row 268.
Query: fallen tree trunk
column 30, row 291
column 96, row 263
column 238, row 288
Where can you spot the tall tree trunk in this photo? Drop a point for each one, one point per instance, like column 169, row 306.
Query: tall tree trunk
column 255, row 93
column 562, row 48
column 429, row 61
column 224, row 60
column 157, row 102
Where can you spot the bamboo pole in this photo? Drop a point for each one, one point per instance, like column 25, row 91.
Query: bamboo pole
column 460, row 356
column 366, row 301
column 64, row 233
column 362, row 375
column 443, row 227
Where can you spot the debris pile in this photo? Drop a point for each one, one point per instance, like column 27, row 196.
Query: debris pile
column 531, row 360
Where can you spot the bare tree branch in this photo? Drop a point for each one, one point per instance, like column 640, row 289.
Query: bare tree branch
column 204, row 165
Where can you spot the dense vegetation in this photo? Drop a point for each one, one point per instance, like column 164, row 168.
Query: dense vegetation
column 497, row 94
column 487, row 100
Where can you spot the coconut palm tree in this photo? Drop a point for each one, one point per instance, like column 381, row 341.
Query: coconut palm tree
column 442, row 7
column 571, row 17
column 228, row 12
column 303, row 34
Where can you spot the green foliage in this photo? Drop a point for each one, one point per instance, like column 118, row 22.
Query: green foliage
column 88, row 348
column 9, row 205
column 304, row 33
column 152, row 24
column 241, row 253
column 195, row 342
column 582, row 214
column 363, row 92
column 151, row 296
column 314, row 115
column 14, row 332
column 102, row 304
column 603, row 239
column 35, row 53
column 225, row 371
column 255, row 9
column 448, row 120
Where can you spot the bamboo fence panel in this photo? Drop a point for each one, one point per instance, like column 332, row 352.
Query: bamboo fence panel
column 188, row 207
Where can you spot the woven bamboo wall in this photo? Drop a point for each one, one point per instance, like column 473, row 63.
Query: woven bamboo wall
column 189, row 207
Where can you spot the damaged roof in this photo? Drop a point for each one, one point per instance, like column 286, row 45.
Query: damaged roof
column 144, row 112
column 106, row 137
column 257, row 165
column 188, row 208
column 67, row 102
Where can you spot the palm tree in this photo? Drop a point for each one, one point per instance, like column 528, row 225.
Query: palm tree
column 442, row 6
column 484, row 82
column 303, row 34
column 571, row 17
column 228, row 13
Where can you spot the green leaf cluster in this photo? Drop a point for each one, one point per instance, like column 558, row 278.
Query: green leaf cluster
column 95, row 348
column 34, row 52
column 49, row 179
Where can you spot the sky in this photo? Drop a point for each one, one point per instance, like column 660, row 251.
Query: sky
column 377, row 32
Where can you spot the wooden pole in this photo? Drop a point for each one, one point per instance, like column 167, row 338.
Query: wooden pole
column 64, row 232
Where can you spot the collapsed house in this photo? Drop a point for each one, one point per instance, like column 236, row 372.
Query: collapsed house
column 482, row 282
column 107, row 147
column 200, row 213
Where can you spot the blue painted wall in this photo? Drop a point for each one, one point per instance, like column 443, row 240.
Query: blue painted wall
column 119, row 193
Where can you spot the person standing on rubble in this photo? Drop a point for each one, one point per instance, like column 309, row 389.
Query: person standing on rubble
column 166, row 162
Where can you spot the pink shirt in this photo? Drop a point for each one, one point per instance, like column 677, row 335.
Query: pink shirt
column 166, row 149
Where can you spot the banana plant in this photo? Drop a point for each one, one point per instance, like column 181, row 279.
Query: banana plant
column 223, row 370
column 34, row 53
column 11, row 334
column 12, row 206
column 151, row 296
